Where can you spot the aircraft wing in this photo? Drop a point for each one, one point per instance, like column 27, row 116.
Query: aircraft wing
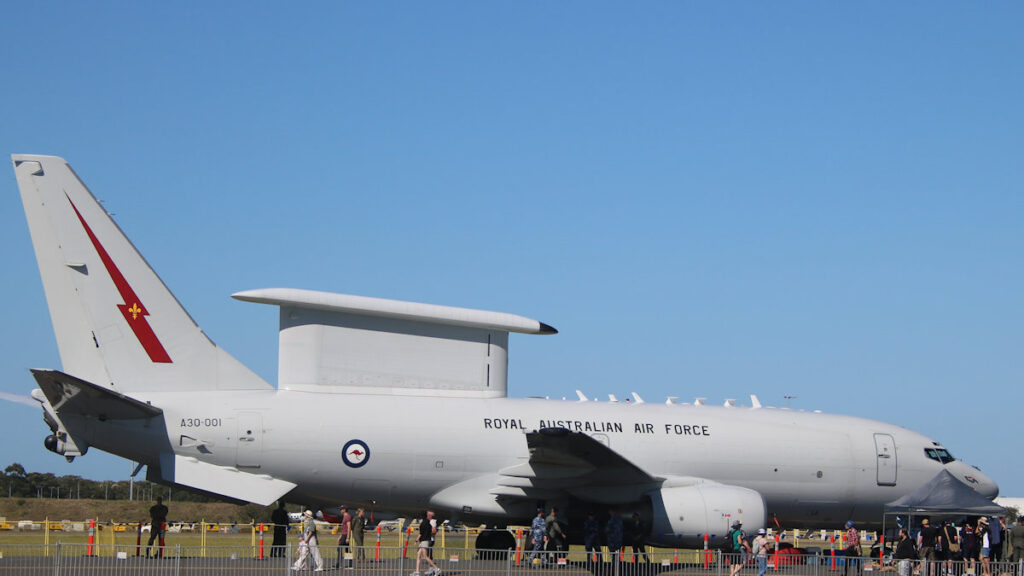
column 566, row 462
column 70, row 395
column 224, row 481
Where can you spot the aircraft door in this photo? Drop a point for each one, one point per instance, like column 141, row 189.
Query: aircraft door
column 250, row 444
column 885, row 448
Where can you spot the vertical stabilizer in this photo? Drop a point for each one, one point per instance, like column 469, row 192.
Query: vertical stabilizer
column 116, row 323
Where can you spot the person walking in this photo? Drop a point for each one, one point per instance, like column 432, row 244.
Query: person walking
column 556, row 536
column 308, row 545
column 426, row 539
column 740, row 548
column 344, row 531
column 761, row 544
column 280, row 519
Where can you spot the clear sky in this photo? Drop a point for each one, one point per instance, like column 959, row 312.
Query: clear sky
column 820, row 200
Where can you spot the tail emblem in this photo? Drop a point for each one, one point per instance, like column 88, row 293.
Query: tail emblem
column 134, row 315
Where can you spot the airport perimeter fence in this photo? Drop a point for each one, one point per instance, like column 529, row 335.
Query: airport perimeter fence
column 76, row 560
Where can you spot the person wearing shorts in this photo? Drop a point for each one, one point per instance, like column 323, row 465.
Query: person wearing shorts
column 427, row 529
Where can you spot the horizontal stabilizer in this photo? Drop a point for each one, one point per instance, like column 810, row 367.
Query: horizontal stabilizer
column 231, row 482
column 70, row 395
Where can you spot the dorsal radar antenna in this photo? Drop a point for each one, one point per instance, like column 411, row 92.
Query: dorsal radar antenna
column 754, row 402
column 581, row 396
column 730, row 403
column 638, row 399
column 699, row 401
column 671, row 399
column 612, row 398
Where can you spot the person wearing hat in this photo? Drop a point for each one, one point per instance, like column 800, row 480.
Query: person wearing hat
column 982, row 533
column 740, row 546
column 852, row 549
column 311, row 547
column 927, row 539
column 539, row 535
column 761, row 544
column 344, row 530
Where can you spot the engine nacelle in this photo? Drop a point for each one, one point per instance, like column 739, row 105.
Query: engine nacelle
column 683, row 514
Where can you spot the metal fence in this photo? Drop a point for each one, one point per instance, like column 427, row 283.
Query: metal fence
column 77, row 559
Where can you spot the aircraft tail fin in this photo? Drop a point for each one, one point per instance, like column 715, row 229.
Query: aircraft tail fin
column 115, row 321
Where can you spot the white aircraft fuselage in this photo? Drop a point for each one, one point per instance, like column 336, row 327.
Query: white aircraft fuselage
column 403, row 406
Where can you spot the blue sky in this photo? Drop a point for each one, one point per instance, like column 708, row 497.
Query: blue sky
column 819, row 200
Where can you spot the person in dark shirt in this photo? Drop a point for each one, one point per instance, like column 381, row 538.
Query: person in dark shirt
column 929, row 536
column 157, row 525
column 592, row 537
column 905, row 552
column 427, row 530
column 280, row 519
column 637, row 537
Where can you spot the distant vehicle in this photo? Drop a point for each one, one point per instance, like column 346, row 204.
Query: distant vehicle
column 141, row 380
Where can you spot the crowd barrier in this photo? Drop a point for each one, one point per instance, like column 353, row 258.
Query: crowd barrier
column 75, row 559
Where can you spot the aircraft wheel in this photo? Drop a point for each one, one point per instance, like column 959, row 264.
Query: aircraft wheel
column 495, row 540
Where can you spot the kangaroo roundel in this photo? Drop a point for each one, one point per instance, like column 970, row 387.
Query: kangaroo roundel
column 355, row 453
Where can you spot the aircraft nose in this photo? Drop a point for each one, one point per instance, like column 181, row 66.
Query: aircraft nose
column 976, row 479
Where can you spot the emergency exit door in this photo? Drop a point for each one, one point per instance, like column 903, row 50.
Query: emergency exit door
column 885, row 448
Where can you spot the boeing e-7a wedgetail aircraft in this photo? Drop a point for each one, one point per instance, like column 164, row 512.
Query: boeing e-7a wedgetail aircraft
column 141, row 380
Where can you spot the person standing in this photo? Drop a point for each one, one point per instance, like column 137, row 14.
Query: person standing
column 852, row 551
column 761, row 545
column 157, row 526
column 982, row 533
column 613, row 532
column 591, row 537
column 950, row 545
column 344, row 531
column 426, row 539
column 927, row 539
column 1016, row 539
column 995, row 536
column 358, row 535
column 638, row 537
column 280, row 519
column 969, row 546
column 539, row 536
column 905, row 552
column 308, row 544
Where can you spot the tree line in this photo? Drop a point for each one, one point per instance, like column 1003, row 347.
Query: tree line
column 18, row 483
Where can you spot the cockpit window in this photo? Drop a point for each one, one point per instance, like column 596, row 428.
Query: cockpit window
column 940, row 455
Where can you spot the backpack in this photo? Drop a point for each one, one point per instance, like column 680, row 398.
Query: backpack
column 726, row 544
